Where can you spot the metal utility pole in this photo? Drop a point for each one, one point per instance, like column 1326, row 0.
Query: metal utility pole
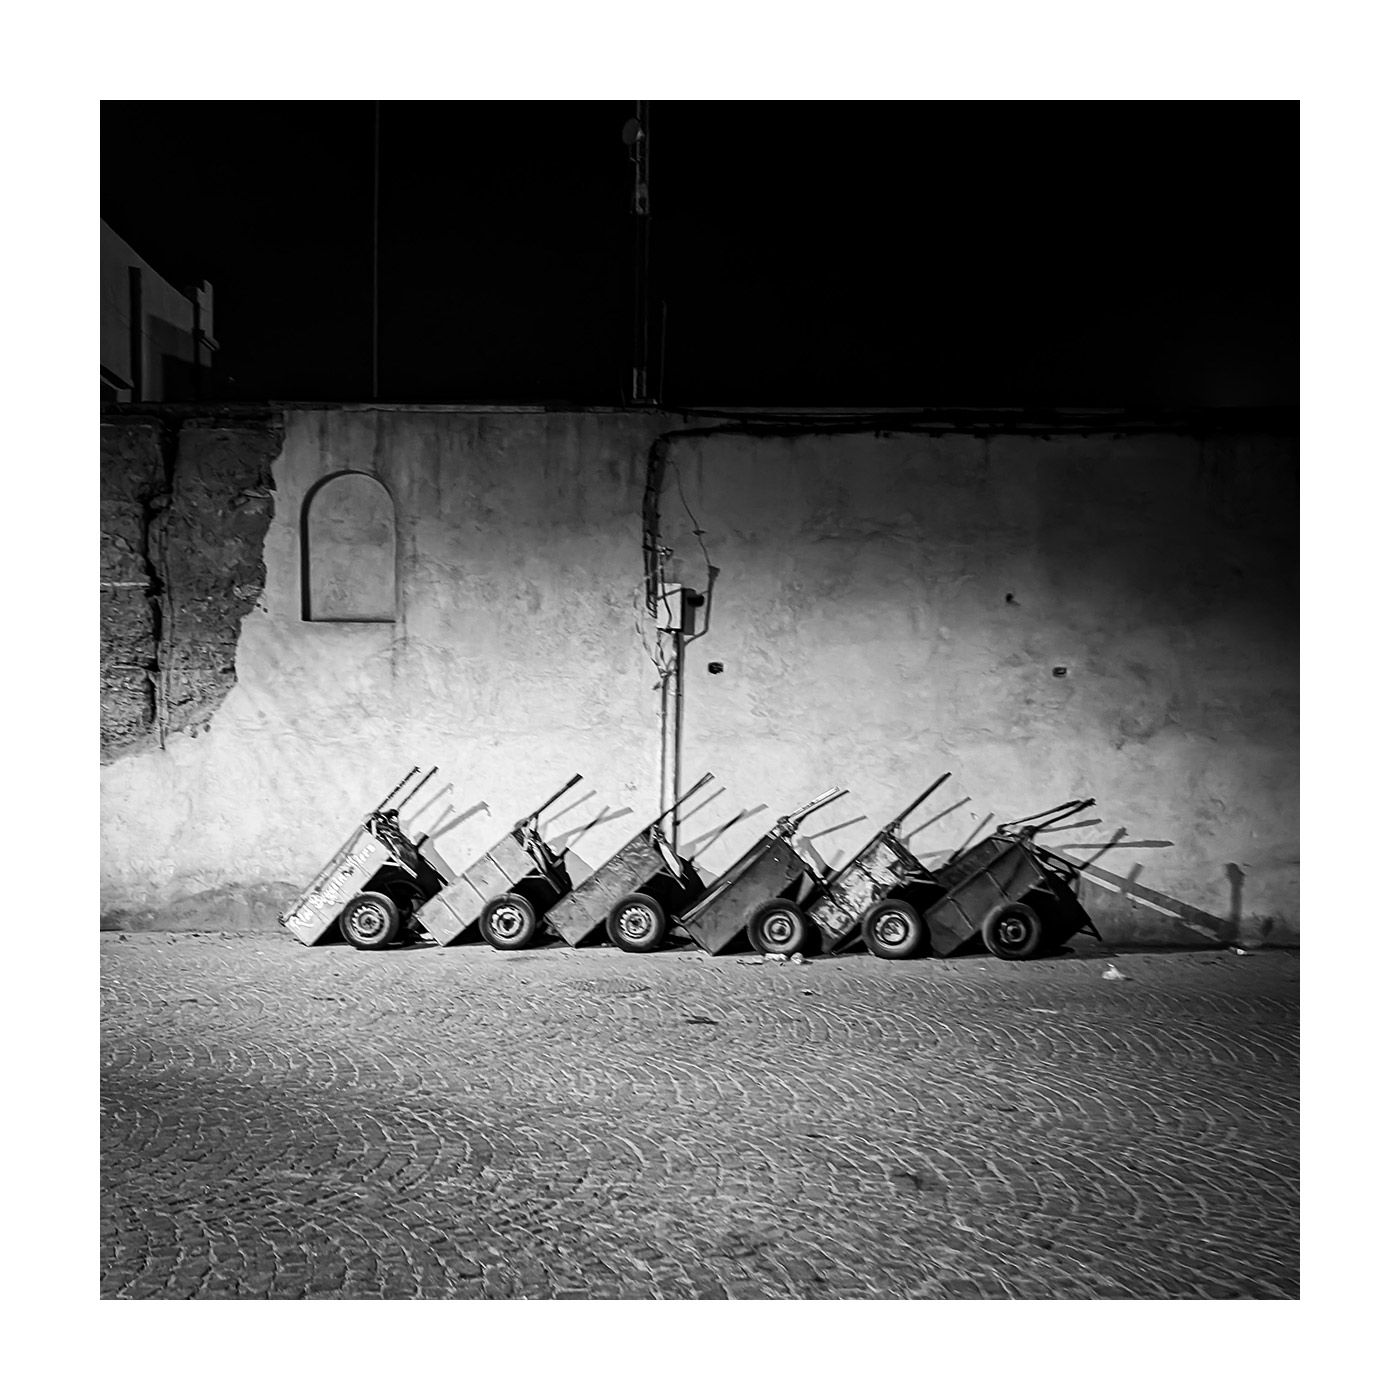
column 637, row 137
column 374, row 271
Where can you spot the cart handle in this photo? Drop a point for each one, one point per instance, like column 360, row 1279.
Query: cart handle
column 525, row 821
column 919, row 801
column 891, row 827
column 365, row 825
column 384, row 801
column 1056, row 815
column 1074, row 802
column 405, row 801
column 1078, row 807
column 675, row 806
column 795, row 819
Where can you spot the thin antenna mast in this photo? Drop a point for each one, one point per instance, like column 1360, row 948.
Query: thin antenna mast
column 637, row 137
column 374, row 274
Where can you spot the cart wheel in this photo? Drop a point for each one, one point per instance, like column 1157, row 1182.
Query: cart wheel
column 1013, row 931
column 508, row 921
column 637, row 923
column 369, row 921
column 892, row 929
column 777, row 927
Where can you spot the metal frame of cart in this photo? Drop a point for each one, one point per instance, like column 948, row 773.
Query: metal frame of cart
column 1021, row 899
column 770, row 869
column 374, row 885
column 836, row 905
column 633, row 893
column 505, row 892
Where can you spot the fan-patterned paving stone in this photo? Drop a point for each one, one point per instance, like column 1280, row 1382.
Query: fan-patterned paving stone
column 285, row 1122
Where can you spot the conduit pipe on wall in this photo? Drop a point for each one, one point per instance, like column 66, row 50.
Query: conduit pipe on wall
column 655, row 553
column 671, row 712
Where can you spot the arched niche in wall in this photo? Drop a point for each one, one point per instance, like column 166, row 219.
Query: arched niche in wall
column 349, row 556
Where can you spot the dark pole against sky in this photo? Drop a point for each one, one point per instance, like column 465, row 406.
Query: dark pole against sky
column 375, row 206
column 1072, row 254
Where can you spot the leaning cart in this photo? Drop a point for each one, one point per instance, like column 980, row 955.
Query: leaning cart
column 633, row 893
column 837, row 902
column 506, row 891
column 373, row 885
column 772, row 869
column 1019, row 897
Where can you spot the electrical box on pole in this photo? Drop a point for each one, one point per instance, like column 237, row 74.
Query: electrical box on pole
column 677, row 609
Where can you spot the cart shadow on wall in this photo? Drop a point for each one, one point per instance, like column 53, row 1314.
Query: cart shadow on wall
column 1180, row 926
column 1165, row 923
column 1020, row 898
column 773, row 872
column 371, row 890
column 502, row 895
column 567, row 839
column 693, row 850
column 633, row 894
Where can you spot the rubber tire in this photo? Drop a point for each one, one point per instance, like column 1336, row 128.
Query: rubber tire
column 910, row 945
column 637, row 905
column 761, row 939
column 519, row 919
column 380, row 915
column 1030, row 938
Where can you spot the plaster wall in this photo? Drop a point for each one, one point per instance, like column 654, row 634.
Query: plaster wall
column 515, row 661
column 184, row 511
column 889, row 608
column 133, row 475
column 861, row 618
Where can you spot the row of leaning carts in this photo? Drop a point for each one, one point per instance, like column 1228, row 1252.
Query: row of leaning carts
column 1020, row 898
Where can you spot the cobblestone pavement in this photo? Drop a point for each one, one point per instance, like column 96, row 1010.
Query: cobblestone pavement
column 289, row 1122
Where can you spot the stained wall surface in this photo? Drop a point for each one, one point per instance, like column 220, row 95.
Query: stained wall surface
column 132, row 475
column 350, row 551
column 185, row 507
column 890, row 608
column 887, row 606
column 515, row 661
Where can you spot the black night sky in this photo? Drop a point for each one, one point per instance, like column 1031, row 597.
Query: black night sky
column 1078, row 254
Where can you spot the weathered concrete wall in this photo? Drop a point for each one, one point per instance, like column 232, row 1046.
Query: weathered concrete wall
column 862, row 621
column 133, row 475
column 350, row 551
column 893, row 607
column 515, row 662
column 209, row 558
column 184, row 512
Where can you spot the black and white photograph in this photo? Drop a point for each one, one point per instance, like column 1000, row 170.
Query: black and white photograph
column 699, row 702
column 696, row 718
